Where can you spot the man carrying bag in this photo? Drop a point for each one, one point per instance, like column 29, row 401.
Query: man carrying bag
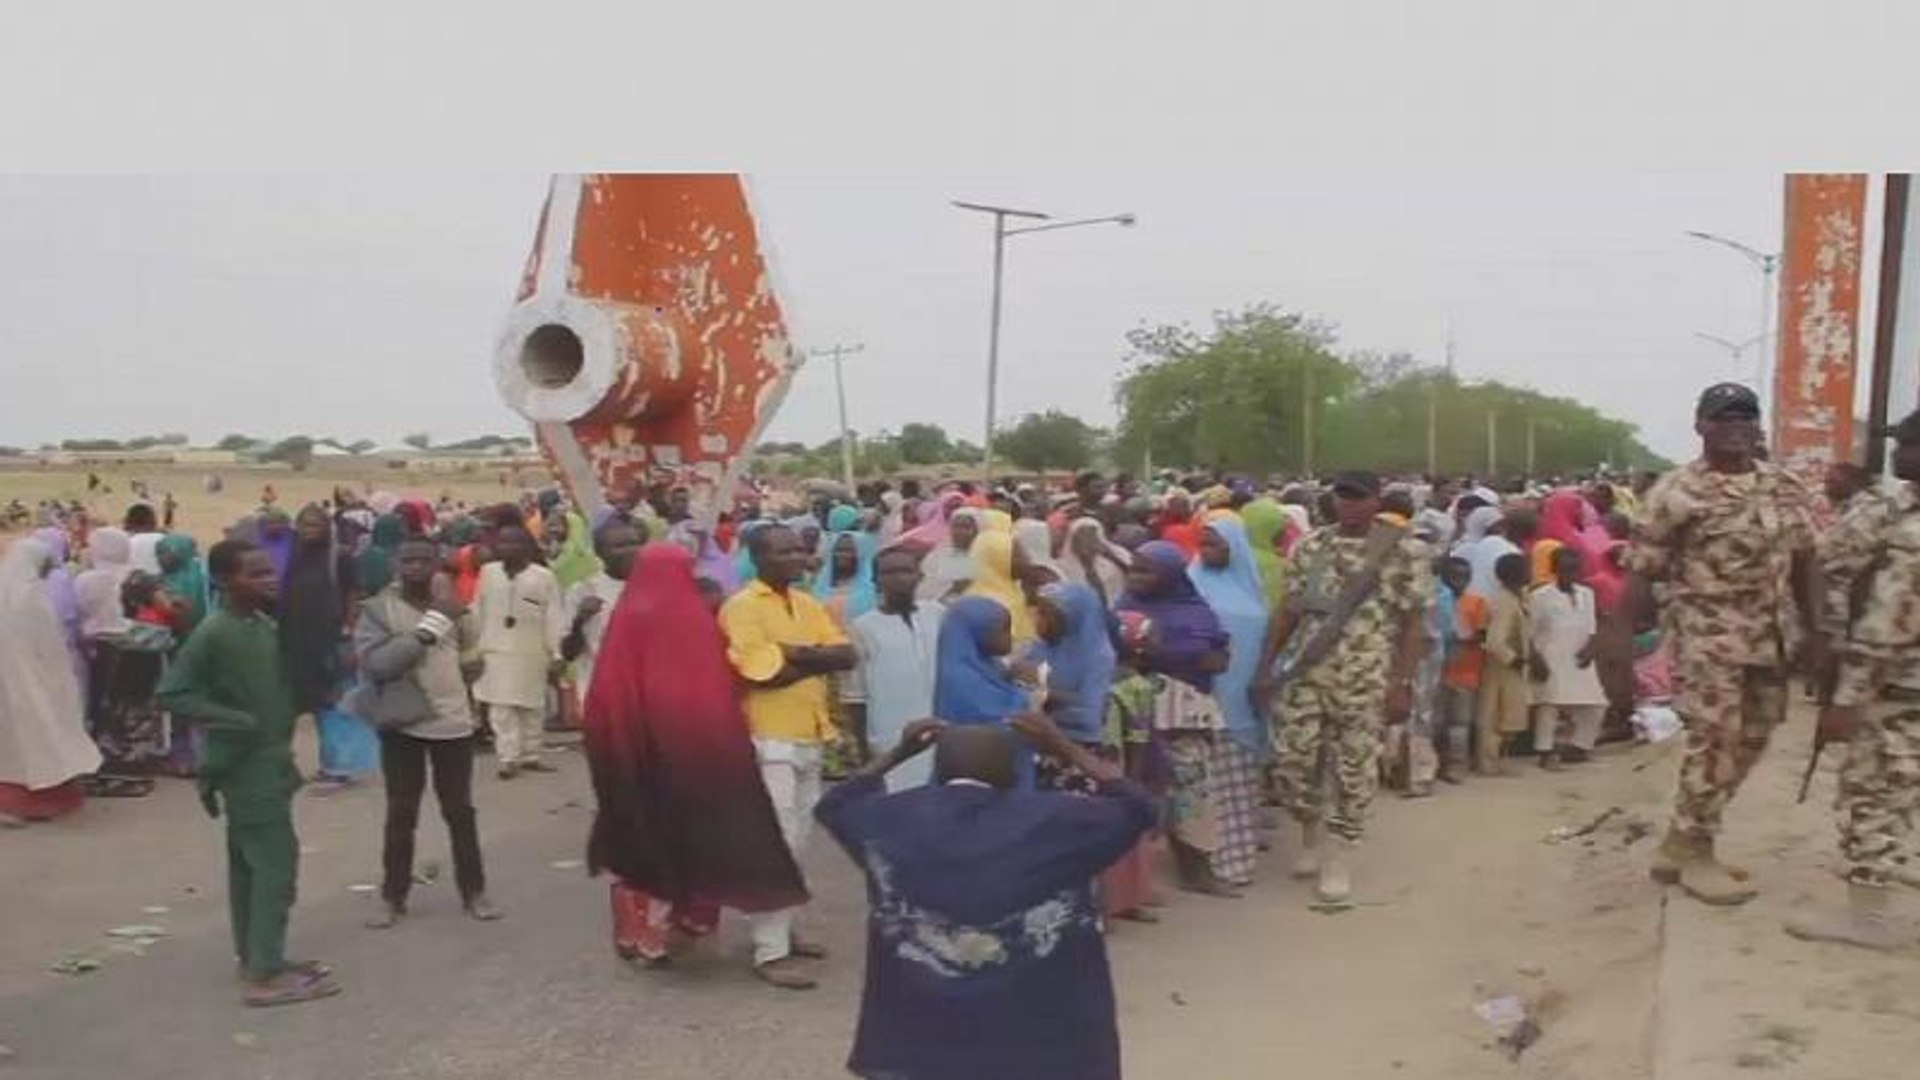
column 410, row 647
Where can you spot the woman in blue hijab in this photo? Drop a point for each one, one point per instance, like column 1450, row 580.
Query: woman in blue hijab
column 1078, row 651
column 970, row 683
column 1227, row 575
column 845, row 587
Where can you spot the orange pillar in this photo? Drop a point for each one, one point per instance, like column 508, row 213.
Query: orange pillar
column 646, row 343
column 1819, row 320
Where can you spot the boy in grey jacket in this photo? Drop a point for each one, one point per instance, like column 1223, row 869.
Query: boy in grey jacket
column 413, row 649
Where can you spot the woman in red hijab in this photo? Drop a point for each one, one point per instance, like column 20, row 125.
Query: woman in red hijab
column 684, row 820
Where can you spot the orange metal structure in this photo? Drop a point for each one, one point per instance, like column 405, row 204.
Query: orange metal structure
column 646, row 344
column 1819, row 320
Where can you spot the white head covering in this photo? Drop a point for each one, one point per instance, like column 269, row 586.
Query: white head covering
column 43, row 729
column 1112, row 579
column 947, row 566
column 1036, row 538
column 1479, row 521
column 98, row 588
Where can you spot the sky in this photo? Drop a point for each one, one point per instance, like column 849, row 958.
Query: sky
column 365, row 305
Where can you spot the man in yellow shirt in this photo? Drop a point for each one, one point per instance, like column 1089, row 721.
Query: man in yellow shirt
column 784, row 645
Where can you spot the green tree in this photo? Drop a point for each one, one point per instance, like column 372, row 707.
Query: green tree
column 1386, row 428
column 296, row 451
column 234, row 443
column 1231, row 398
column 1049, row 440
column 419, row 440
column 360, row 447
column 879, row 455
column 925, row 444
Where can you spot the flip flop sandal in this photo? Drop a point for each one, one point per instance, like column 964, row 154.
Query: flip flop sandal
column 293, row 993
column 119, row 787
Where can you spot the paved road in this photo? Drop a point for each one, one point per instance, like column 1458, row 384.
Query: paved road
column 1462, row 901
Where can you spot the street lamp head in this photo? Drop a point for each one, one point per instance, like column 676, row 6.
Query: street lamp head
column 1000, row 211
column 1127, row 220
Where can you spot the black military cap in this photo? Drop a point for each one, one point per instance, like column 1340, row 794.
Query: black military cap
column 1356, row 484
column 1727, row 400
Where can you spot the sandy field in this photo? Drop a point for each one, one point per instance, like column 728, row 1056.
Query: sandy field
column 206, row 515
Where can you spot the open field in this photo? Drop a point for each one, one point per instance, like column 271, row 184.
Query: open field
column 205, row 515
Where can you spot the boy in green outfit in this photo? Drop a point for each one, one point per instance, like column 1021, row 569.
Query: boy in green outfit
column 229, row 679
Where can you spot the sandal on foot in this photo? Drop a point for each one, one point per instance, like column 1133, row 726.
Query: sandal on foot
column 290, row 987
column 785, row 974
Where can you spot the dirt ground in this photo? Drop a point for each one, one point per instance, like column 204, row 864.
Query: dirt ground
column 1464, row 900
column 206, row 515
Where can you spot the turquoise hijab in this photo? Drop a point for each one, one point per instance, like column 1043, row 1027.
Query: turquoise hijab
column 860, row 588
column 1238, row 597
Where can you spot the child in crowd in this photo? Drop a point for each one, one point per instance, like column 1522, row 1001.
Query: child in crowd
column 1505, row 697
column 230, row 678
column 1457, row 705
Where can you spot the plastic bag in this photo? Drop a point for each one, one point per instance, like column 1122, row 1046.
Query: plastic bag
column 348, row 745
column 1656, row 723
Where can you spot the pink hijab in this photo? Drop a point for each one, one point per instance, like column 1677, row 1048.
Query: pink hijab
column 1567, row 516
column 934, row 525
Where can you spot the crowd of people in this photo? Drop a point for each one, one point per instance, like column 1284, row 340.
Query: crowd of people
column 1111, row 675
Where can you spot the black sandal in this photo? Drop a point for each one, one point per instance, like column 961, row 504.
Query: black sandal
column 119, row 787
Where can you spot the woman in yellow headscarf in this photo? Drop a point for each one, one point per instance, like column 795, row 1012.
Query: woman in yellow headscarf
column 997, row 567
column 1266, row 522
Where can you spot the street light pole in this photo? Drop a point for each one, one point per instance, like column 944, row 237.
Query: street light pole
column 837, row 352
column 1734, row 349
column 1000, row 234
column 1768, row 265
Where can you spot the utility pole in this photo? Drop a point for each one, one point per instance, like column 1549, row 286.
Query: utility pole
column 1000, row 234
column 1493, row 447
column 837, row 353
column 1887, row 324
column 1306, row 421
column 1433, row 410
column 1433, row 422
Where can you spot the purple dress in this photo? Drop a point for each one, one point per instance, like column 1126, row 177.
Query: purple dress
column 66, row 605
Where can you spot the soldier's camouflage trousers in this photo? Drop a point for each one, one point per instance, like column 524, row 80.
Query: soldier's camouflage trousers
column 1730, row 713
column 1342, row 728
column 1880, row 793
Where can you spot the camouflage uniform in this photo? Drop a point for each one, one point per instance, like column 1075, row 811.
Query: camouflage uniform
column 1338, row 706
column 1880, row 671
column 1847, row 550
column 1723, row 543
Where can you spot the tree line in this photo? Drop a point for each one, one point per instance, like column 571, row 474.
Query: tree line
column 1266, row 391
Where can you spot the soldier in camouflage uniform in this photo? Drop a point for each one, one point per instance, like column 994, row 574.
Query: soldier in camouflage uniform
column 1334, row 710
column 1731, row 538
column 1846, row 549
column 1876, row 709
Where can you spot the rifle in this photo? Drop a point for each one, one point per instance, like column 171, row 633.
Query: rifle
column 1381, row 540
column 1813, row 764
